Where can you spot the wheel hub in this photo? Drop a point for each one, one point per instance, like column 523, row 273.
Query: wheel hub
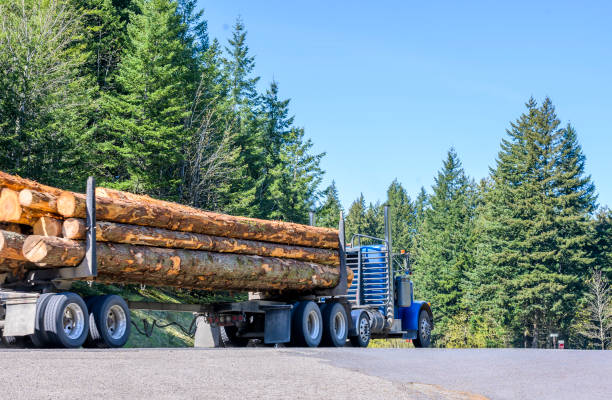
column 73, row 321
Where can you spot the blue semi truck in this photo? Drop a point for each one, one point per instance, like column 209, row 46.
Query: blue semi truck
column 376, row 303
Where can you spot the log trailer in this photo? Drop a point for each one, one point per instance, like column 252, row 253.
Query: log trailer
column 377, row 303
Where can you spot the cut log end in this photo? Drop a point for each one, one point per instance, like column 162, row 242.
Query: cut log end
column 74, row 228
column 47, row 226
column 10, row 209
column 67, row 204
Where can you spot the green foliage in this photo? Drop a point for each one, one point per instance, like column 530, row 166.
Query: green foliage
column 44, row 96
column 443, row 252
column 328, row 213
column 533, row 229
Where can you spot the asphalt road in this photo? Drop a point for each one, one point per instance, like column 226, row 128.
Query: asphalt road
column 263, row 373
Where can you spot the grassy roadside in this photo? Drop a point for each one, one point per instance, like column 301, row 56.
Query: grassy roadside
column 171, row 336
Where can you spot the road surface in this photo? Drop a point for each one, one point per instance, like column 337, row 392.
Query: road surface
column 265, row 373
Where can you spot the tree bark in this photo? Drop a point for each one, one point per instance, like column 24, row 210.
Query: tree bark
column 11, row 227
column 17, row 183
column 194, row 269
column 182, row 218
column 47, row 226
column 75, row 229
column 11, row 244
column 38, row 200
column 16, row 268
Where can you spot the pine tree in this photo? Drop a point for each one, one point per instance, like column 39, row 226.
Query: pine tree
column 295, row 179
column 355, row 222
column 402, row 216
column 328, row 213
column 44, row 97
column 238, row 66
column 144, row 136
column 602, row 245
column 533, row 229
column 444, row 250
column 275, row 131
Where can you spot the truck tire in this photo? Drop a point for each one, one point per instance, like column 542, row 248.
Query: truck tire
column 66, row 321
column 424, row 334
column 109, row 322
column 362, row 339
column 307, row 325
column 335, row 325
column 39, row 337
column 229, row 335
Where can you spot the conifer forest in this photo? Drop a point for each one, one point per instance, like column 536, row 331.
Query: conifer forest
column 136, row 93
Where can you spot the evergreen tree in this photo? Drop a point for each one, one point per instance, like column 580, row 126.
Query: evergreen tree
column 275, row 131
column 295, row 179
column 402, row 216
column 355, row 222
column 602, row 246
column 144, row 136
column 533, row 229
column 238, row 66
column 328, row 213
column 444, row 246
column 44, row 97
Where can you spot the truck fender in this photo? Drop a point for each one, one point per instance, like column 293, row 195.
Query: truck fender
column 355, row 314
column 410, row 315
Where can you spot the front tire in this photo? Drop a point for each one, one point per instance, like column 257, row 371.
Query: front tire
column 424, row 335
column 363, row 332
column 307, row 328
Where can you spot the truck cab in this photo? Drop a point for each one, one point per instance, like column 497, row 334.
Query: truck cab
column 382, row 293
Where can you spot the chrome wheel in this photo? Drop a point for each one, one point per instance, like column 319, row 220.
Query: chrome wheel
column 425, row 329
column 116, row 322
column 313, row 325
column 364, row 329
column 73, row 321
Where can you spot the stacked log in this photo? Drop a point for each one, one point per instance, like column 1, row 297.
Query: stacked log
column 160, row 243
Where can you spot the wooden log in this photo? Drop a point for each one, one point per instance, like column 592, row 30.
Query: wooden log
column 179, row 218
column 75, row 228
column 38, row 200
column 52, row 251
column 48, row 226
column 184, row 268
column 11, row 244
column 18, row 183
column 12, row 211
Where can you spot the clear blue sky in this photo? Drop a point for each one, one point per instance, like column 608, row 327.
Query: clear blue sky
column 387, row 87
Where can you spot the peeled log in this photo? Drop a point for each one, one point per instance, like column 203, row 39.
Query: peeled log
column 11, row 244
column 195, row 269
column 38, row 200
column 75, row 229
column 48, row 226
column 181, row 218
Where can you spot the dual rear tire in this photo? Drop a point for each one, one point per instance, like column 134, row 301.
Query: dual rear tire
column 66, row 320
column 313, row 325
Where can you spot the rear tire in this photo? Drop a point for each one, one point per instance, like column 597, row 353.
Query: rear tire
column 110, row 322
column 307, row 325
column 424, row 334
column 335, row 325
column 66, row 320
column 364, row 334
column 39, row 337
